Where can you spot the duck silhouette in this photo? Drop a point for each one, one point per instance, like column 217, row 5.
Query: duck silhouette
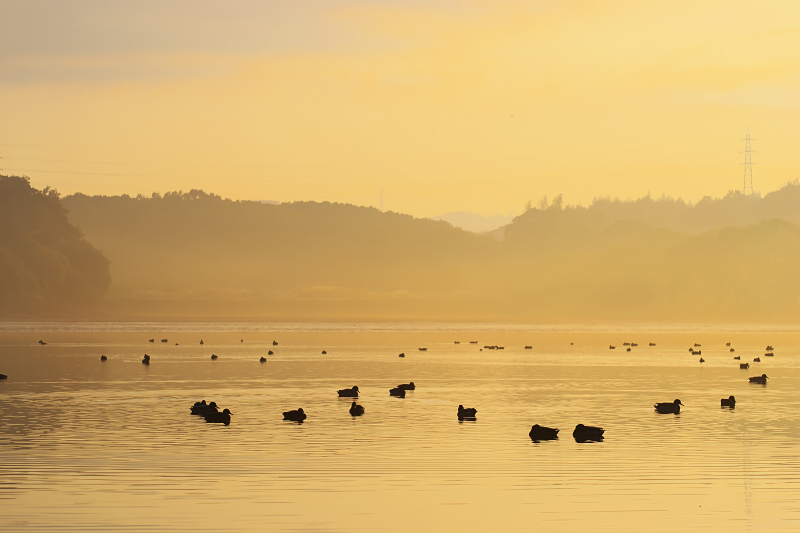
column 738, row 357
column 732, row 350
column 768, row 348
column 583, row 433
column 762, row 379
column 152, row 340
column 400, row 393
column 423, row 349
column 401, row 355
column 202, row 408
column 727, row 344
column 769, row 354
column 669, row 407
column 531, row 347
column 466, row 412
column 274, row 343
column 356, row 410
column 652, row 344
column 730, row 401
column 263, row 359
column 543, row 433
column 295, row 416
column 270, row 352
column 103, row 358
column 213, row 357
column 610, row 347
column 407, row 386
column 219, row 418
column 702, row 360
column 164, row 340
column 324, row 352
column 146, row 361
column 3, row 376
column 349, row 393
column 756, row 359
column 201, row 342
column 744, row 366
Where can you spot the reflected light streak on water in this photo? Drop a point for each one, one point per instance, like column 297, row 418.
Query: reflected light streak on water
column 111, row 446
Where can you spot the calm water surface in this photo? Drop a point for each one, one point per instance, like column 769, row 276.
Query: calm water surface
column 111, row 446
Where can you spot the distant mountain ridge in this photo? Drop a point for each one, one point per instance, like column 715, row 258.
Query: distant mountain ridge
column 475, row 222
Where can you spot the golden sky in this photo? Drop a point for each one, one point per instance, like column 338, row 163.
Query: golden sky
column 472, row 105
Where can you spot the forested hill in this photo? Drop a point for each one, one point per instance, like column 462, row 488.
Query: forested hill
column 47, row 268
column 198, row 255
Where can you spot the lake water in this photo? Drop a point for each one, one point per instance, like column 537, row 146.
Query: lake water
column 111, row 446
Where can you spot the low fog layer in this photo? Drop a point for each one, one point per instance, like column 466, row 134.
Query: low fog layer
column 198, row 255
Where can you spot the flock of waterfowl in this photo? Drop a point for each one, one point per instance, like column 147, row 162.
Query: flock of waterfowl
column 211, row 413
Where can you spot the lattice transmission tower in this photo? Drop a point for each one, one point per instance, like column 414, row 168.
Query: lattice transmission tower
column 748, row 166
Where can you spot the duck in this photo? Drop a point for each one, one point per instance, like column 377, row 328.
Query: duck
column 423, row 349
column 697, row 344
column 702, row 360
column 263, row 359
column 295, row 416
column 201, row 342
column 730, row 401
column 401, row 355
column 466, row 412
column 738, row 357
column 473, row 342
column 634, row 344
column 241, row 340
column 407, row 386
column 152, row 340
column 610, row 347
column 698, row 352
column 733, row 350
column 164, row 340
column 652, row 344
column 42, row 343
column 3, row 376
column 274, row 343
column 270, row 352
column 727, row 344
column 202, row 408
column 531, row 347
column 762, row 379
column 146, row 361
column 769, row 354
column 400, row 393
column 213, row 357
column 744, row 366
column 543, row 433
column 626, row 344
column 756, row 359
column 219, row 418
column 349, row 393
column 669, row 407
column 356, row 410
column 324, row 352
column 456, row 342
column 628, row 350
column 176, row 344
column 103, row 358
column 147, row 357
column 572, row 344
column 583, row 433
column 768, row 348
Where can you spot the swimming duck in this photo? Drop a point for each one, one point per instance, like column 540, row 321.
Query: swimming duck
column 738, row 357
column 702, row 360
column 3, row 376
column 152, row 340
column 727, row 344
column 270, row 352
column 295, row 416
column 572, row 344
column 201, row 342
column 42, row 343
column 213, row 357
column 146, row 361
column 103, row 358
column 164, row 340
column 730, row 401
column 473, row 342
column 733, row 350
column 768, row 348
column 202, row 408
column 611, row 347
column 356, row 410
column 744, row 366
column 400, row 393
column 634, row 344
column 756, row 359
column 762, row 379
column 769, row 354
column 401, row 355
column 456, row 342
column 219, row 418
column 628, row 350
column 263, row 359
column 423, row 349
column 468, row 412
column 542, row 433
column 274, row 343
column 587, row 433
column 531, row 347
column 669, row 407
column 407, row 386
column 147, row 357
column 696, row 344
column 652, row 344
column 349, row 393
column 698, row 352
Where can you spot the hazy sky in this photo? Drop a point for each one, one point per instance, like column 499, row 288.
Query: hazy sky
column 448, row 106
